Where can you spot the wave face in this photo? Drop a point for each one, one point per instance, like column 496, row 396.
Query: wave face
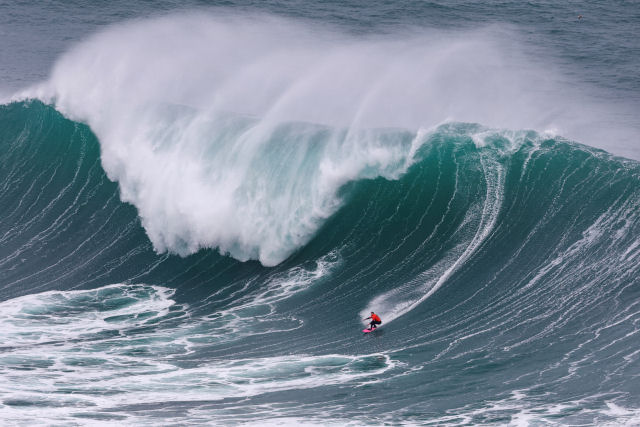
column 504, row 265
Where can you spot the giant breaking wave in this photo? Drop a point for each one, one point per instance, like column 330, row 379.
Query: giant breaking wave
column 238, row 133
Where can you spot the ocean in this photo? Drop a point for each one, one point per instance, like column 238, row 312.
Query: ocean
column 201, row 201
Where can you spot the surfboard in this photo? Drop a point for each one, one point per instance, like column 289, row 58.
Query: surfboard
column 366, row 331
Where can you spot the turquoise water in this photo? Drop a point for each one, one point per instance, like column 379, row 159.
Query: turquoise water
column 196, row 240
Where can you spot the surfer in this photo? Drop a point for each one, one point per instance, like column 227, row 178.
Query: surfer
column 375, row 320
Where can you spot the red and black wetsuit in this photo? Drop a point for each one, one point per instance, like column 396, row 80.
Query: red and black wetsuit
column 375, row 320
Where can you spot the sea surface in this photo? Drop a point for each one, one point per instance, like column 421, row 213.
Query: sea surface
column 201, row 201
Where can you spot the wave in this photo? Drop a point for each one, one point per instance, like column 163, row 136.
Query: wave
column 464, row 185
column 238, row 133
column 197, row 211
column 494, row 256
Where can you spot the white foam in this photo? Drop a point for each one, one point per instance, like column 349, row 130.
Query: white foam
column 82, row 352
column 63, row 315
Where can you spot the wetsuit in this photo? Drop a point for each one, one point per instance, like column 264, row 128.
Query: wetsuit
column 375, row 320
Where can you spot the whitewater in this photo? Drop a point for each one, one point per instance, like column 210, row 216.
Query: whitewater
column 200, row 205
